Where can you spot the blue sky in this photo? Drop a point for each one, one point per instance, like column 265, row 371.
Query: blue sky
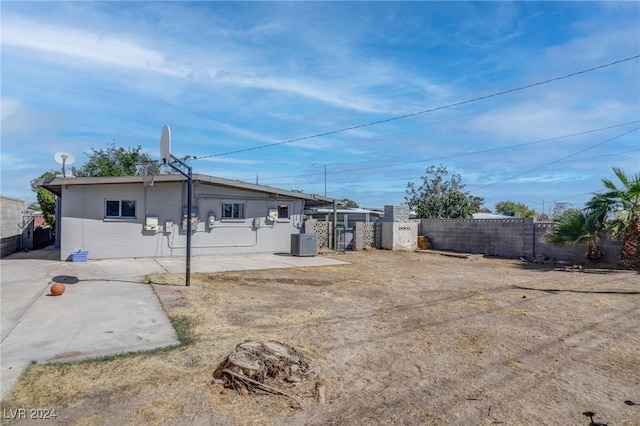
column 229, row 76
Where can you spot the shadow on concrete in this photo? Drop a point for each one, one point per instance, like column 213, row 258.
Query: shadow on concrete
column 65, row 279
column 70, row 279
column 47, row 253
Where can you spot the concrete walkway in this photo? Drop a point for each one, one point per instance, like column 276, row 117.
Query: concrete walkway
column 105, row 308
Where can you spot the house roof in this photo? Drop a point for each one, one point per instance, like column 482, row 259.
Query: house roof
column 55, row 185
column 346, row 211
column 491, row 216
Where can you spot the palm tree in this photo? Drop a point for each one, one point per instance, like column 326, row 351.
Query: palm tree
column 622, row 204
column 581, row 227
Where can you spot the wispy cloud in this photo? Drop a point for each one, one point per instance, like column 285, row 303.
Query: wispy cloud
column 86, row 45
column 315, row 91
column 125, row 52
column 10, row 162
column 230, row 76
column 9, row 107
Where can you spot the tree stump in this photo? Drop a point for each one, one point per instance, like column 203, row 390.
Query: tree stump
column 269, row 367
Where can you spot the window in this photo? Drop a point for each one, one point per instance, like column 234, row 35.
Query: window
column 120, row 208
column 283, row 211
column 233, row 211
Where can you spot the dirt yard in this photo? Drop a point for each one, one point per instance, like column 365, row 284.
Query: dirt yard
column 397, row 338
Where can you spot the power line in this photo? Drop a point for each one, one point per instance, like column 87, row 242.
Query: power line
column 414, row 177
column 482, row 151
column 573, row 196
column 558, row 160
column 611, row 154
column 400, row 117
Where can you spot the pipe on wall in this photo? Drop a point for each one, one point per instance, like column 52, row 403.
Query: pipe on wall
column 199, row 197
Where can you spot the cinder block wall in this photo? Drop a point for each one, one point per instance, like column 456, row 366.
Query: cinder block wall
column 10, row 220
column 511, row 238
column 612, row 247
column 363, row 235
column 498, row 237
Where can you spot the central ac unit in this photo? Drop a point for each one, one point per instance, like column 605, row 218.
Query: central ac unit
column 304, row 244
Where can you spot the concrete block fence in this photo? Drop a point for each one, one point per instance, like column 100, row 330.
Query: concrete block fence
column 510, row 238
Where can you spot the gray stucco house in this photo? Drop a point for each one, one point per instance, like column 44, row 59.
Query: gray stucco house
column 120, row 217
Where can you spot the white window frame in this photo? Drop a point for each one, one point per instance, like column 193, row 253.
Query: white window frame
column 120, row 206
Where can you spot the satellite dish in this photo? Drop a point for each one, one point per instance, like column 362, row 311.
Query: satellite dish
column 165, row 145
column 65, row 159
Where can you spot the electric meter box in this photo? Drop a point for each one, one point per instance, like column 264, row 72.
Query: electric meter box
column 194, row 219
column 257, row 222
column 211, row 220
column 151, row 223
column 194, row 223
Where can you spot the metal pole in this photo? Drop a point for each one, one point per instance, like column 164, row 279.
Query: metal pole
column 335, row 226
column 189, row 190
column 188, row 175
column 325, row 180
column 325, row 176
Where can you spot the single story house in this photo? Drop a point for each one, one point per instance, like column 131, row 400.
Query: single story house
column 120, row 217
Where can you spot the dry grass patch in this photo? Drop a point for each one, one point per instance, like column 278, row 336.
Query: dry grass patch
column 399, row 337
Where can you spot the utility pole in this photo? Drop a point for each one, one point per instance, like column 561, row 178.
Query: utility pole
column 325, row 176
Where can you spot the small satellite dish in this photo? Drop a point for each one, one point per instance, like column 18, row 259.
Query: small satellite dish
column 65, row 159
column 165, row 145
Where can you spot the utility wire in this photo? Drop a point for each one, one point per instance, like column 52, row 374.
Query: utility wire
column 482, row 151
column 558, row 160
column 414, row 177
column 400, row 117
column 572, row 196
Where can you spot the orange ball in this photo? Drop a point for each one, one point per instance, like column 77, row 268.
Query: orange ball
column 57, row 289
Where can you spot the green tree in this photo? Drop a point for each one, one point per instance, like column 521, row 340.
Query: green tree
column 115, row 161
column 112, row 161
column 561, row 211
column 350, row 204
column 512, row 206
column 438, row 197
column 46, row 199
column 620, row 207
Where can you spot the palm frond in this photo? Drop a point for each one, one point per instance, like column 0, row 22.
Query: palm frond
column 577, row 228
column 622, row 176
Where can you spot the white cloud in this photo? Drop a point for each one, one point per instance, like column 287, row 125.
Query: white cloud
column 312, row 90
column 243, row 133
column 230, row 77
column 10, row 107
column 528, row 121
column 12, row 162
column 547, row 178
column 86, row 45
